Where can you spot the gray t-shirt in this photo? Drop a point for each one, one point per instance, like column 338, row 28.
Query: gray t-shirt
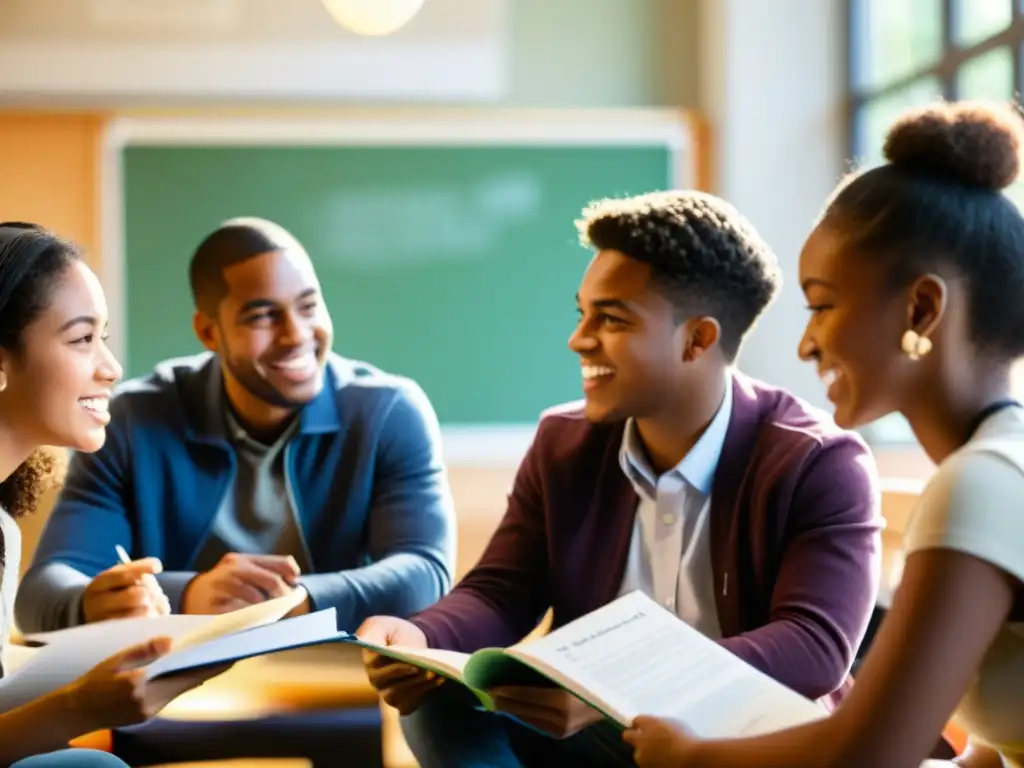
column 257, row 516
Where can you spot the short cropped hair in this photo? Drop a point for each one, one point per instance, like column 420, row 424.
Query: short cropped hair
column 233, row 241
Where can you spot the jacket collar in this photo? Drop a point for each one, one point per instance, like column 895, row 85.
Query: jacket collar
column 202, row 396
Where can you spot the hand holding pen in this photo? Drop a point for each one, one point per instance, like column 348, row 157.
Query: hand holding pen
column 127, row 590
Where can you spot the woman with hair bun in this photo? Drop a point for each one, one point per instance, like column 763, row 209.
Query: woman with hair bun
column 56, row 376
column 914, row 278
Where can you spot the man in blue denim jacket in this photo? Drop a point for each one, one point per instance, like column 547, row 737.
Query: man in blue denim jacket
column 263, row 465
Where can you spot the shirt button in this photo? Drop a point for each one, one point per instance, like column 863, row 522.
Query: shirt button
column 668, row 519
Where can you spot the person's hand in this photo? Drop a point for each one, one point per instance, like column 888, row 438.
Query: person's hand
column 401, row 686
column 552, row 710
column 115, row 692
column 125, row 591
column 976, row 755
column 658, row 743
column 239, row 580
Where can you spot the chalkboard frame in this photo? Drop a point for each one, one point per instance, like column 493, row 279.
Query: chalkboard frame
column 465, row 445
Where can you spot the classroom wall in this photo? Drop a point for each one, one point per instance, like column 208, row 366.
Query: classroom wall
column 50, row 165
column 604, row 53
column 772, row 88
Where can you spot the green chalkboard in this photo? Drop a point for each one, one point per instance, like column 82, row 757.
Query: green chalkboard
column 456, row 266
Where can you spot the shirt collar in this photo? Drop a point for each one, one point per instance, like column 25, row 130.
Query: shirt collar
column 698, row 466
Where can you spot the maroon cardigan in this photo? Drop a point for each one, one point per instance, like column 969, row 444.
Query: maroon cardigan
column 795, row 540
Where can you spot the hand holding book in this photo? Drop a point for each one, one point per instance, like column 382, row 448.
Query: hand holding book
column 626, row 659
column 657, row 742
column 401, row 685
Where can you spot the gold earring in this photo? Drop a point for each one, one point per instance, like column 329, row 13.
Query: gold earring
column 3, row 381
column 915, row 346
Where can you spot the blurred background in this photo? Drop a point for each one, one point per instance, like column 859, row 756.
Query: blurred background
column 434, row 173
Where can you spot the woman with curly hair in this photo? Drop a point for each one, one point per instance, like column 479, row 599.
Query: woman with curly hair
column 56, row 376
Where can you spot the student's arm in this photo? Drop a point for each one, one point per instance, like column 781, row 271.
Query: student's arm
column 90, row 517
column 44, row 725
column 828, row 579
column 504, row 597
column 411, row 524
column 958, row 585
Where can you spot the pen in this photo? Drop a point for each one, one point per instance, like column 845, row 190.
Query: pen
column 121, row 554
column 148, row 579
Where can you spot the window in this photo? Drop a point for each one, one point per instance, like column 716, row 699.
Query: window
column 907, row 53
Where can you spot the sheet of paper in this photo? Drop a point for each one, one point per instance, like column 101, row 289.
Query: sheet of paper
column 16, row 656
column 633, row 657
column 123, row 632
column 70, row 653
column 244, row 618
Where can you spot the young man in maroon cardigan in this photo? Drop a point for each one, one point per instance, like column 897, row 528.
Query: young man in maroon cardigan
column 734, row 504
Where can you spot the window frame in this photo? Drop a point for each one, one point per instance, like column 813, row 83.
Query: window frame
column 946, row 68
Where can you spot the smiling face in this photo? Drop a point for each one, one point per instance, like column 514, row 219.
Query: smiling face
column 273, row 334
column 58, row 383
column 855, row 329
column 633, row 350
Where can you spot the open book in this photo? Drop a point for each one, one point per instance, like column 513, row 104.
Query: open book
column 632, row 657
column 51, row 660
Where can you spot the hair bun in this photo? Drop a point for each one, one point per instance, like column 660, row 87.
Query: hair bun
column 977, row 144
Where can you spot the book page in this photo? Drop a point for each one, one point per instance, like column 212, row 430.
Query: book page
column 68, row 654
column 120, row 633
column 255, row 615
column 632, row 657
column 16, row 656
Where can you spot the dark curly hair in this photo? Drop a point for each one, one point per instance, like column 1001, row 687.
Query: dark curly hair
column 938, row 202
column 32, row 259
column 705, row 257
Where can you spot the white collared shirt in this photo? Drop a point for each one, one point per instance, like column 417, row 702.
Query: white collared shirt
column 670, row 552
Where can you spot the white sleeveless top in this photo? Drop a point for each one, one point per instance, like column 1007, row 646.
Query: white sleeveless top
column 975, row 504
column 9, row 577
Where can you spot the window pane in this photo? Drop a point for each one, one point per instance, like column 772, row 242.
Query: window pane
column 975, row 20
column 989, row 76
column 895, row 38
column 875, row 117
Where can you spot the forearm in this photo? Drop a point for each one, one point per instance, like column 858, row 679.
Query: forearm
column 800, row 654
column 808, row 746
column 398, row 585
column 43, row 725
column 473, row 617
column 50, row 598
